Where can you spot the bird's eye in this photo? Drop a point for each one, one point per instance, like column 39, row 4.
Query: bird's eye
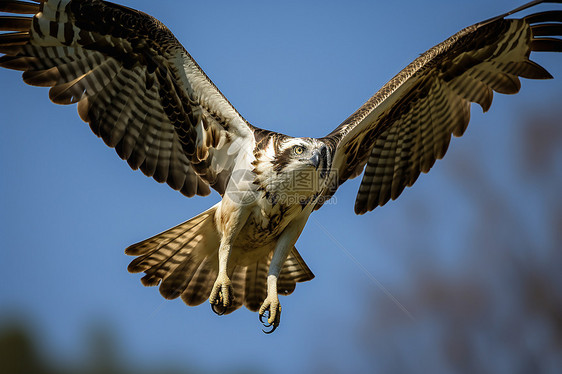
column 298, row 150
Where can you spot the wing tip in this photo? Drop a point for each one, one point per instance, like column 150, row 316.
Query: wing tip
column 360, row 209
column 131, row 250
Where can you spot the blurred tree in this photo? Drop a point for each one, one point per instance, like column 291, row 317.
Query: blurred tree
column 499, row 309
column 19, row 355
column 17, row 352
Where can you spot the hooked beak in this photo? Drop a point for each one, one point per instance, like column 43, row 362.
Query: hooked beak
column 320, row 157
column 315, row 160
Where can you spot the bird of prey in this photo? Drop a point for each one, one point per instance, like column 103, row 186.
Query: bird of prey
column 144, row 95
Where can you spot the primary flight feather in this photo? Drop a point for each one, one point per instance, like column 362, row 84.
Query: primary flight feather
column 144, row 95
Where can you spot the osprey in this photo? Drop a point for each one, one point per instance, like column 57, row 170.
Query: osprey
column 144, row 95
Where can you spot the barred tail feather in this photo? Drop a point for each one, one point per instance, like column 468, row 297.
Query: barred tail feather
column 250, row 282
column 294, row 270
column 201, row 283
column 182, row 259
column 256, row 284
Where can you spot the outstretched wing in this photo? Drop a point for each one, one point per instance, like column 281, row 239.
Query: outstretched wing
column 407, row 125
column 134, row 83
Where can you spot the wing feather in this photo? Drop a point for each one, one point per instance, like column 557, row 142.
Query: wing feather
column 137, row 87
column 407, row 125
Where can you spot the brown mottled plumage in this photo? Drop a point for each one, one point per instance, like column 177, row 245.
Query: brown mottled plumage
column 144, row 95
column 408, row 123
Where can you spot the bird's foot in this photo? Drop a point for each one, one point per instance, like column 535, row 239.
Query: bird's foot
column 222, row 295
column 271, row 310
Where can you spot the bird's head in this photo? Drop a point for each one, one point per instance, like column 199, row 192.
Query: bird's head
column 297, row 171
column 293, row 170
column 302, row 155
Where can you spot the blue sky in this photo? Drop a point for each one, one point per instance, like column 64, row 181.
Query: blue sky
column 69, row 206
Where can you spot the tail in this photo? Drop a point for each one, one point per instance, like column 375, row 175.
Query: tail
column 250, row 282
column 183, row 259
column 184, row 262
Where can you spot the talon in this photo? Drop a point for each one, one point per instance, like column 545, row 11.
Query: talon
column 271, row 311
column 218, row 309
column 261, row 318
column 222, row 295
column 270, row 331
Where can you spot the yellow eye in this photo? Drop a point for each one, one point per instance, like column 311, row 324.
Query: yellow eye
column 298, row 150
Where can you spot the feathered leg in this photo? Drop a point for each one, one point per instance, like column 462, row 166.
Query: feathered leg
column 230, row 217
column 271, row 308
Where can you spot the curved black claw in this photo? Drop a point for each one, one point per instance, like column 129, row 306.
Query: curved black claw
column 222, row 296
column 272, row 329
column 219, row 309
column 265, row 317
